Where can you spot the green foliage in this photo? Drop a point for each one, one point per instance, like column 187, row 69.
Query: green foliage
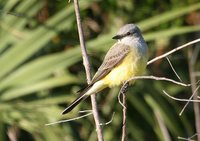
column 41, row 69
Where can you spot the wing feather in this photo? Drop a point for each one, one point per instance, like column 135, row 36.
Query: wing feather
column 113, row 57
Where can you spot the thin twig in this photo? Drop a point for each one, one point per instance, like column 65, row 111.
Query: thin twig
column 173, row 50
column 103, row 124
column 189, row 138
column 159, row 78
column 119, row 100
column 173, row 69
column 72, row 119
column 185, row 139
column 85, row 111
column 87, row 69
column 189, row 100
column 178, row 99
column 119, row 96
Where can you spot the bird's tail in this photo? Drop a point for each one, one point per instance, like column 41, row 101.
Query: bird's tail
column 82, row 97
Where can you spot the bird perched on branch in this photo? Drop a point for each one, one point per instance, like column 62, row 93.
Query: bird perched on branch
column 125, row 59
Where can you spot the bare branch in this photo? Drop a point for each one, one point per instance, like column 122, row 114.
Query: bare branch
column 189, row 138
column 173, row 69
column 72, row 119
column 165, row 79
column 185, row 139
column 85, row 111
column 86, row 62
column 124, row 104
column 119, row 100
column 119, row 96
column 173, row 50
column 103, row 124
column 87, row 69
column 159, row 78
column 178, row 99
column 191, row 62
column 124, row 118
column 195, row 92
column 13, row 133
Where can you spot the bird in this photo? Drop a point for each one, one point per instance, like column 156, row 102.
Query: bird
column 125, row 59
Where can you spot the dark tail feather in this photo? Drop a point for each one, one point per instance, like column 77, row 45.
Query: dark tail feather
column 74, row 104
column 77, row 101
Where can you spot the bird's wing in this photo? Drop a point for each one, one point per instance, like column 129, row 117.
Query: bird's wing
column 113, row 57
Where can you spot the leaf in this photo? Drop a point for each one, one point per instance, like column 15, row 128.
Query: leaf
column 167, row 16
column 41, row 68
column 42, row 85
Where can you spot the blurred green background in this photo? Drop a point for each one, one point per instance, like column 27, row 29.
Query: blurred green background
column 41, row 68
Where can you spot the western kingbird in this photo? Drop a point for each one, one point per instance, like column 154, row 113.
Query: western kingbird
column 125, row 59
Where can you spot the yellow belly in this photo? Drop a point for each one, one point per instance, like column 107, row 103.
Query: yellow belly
column 132, row 65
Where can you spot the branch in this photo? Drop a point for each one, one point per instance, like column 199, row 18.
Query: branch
column 72, row 119
column 195, row 92
column 173, row 69
column 86, row 62
column 159, row 78
column 178, row 99
column 191, row 62
column 173, row 50
column 124, row 118
column 13, row 133
column 87, row 69
column 189, row 138
column 122, row 92
column 103, row 124
column 169, row 80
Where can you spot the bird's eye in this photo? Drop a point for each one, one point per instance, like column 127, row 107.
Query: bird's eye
column 128, row 33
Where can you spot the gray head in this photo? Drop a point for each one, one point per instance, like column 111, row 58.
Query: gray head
column 128, row 30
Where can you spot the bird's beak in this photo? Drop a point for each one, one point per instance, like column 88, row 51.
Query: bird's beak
column 117, row 37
